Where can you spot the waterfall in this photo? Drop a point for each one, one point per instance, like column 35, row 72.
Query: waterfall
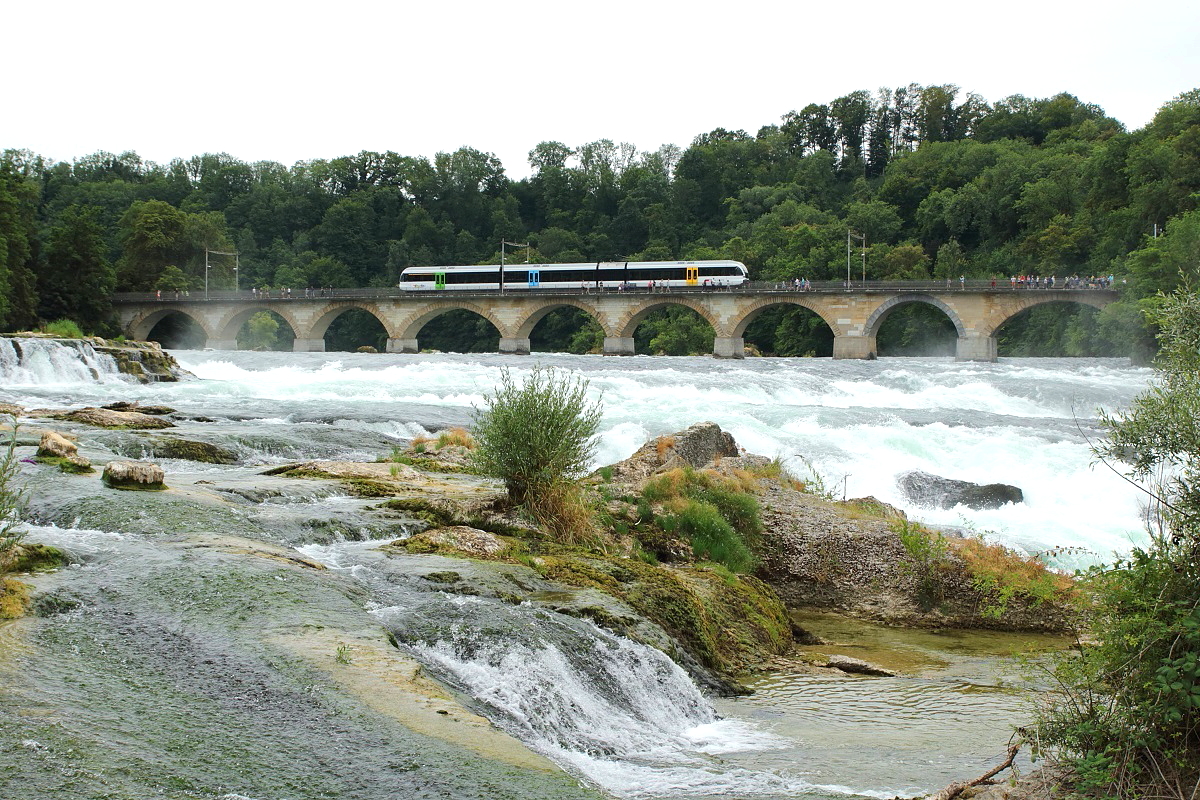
column 32, row 362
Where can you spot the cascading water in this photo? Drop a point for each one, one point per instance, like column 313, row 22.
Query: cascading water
column 26, row 361
column 617, row 713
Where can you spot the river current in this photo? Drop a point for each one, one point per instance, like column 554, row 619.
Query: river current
column 624, row 719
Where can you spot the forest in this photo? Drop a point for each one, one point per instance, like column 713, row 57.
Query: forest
column 932, row 182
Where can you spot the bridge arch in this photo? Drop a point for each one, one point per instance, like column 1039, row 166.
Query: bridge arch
column 634, row 315
column 402, row 336
column 760, row 324
column 1035, row 297
column 524, row 327
column 231, row 324
column 875, row 320
column 738, row 327
column 141, row 326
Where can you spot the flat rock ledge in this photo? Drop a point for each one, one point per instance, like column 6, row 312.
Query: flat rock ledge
column 856, row 666
column 107, row 418
column 134, row 475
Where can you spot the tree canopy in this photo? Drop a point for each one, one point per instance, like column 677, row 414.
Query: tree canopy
column 939, row 181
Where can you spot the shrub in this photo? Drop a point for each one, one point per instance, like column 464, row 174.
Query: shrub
column 719, row 519
column 927, row 561
column 14, row 596
column 66, row 328
column 1127, row 716
column 538, row 437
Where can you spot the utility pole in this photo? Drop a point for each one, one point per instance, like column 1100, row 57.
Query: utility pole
column 862, row 237
column 236, row 264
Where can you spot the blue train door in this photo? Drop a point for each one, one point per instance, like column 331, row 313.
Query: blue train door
column 535, row 279
column 693, row 275
column 439, row 280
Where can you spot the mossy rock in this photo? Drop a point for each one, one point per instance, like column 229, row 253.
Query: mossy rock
column 71, row 466
column 190, row 450
column 37, row 558
column 729, row 623
column 14, row 598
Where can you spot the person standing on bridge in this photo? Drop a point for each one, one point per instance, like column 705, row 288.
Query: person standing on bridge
column 962, row 282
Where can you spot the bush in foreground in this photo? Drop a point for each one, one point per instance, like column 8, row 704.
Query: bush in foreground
column 1127, row 716
column 538, row 437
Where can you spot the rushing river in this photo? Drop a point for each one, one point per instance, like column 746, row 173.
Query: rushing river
column 617, row 715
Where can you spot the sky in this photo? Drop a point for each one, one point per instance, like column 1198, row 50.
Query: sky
column 293, row 81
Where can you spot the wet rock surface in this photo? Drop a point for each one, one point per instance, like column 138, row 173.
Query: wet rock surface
column 933, row 491
column 135, row 475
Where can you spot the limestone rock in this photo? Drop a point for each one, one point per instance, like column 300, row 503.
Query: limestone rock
column 460, row 537
column 697, row 447
column 105, row 418
column 138, row 475
column 938, row 492
column 56, row 445
column 856, row 666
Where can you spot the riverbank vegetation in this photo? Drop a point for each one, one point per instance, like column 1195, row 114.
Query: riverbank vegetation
column 1126, row 717
column 941, row 182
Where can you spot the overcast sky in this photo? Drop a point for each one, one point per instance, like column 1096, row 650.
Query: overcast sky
column 301, row 80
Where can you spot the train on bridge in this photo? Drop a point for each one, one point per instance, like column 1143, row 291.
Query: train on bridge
column 601, row 276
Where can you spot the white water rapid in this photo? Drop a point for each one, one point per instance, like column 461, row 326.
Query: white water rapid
column 620, row 715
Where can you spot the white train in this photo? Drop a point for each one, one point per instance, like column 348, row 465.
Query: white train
column 599, row 276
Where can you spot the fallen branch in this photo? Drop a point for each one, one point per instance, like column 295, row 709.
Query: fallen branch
column 955, row 789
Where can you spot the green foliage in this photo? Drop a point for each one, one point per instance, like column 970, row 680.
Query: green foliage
column 1127, row 716
column 12, row 501
column 66, row 328
column 927, row 561
column 718, row 518
column 538, row 437
column 938, row 179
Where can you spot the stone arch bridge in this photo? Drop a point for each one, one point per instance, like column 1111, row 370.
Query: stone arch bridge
column 854, row 315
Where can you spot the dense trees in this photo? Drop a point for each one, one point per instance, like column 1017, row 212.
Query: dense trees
column 939, row 181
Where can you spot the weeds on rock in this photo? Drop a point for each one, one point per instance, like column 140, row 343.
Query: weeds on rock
column 927, row 551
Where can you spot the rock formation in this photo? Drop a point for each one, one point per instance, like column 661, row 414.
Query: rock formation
column 938, row 492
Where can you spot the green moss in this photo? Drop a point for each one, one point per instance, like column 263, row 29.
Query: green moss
column 448, row 576
column 359, row 487
column 189, row 450
column 421, row 509
column 14, row 598
column 66, row 465
column 37, row 558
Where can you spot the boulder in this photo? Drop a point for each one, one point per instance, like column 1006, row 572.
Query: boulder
column 137, row 475
column 58, row 447
column 856, row 666
column 938, row 492
column 698, row 446
column 471, row 541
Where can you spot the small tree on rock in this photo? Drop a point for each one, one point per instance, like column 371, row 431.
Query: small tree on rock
column 538, row 437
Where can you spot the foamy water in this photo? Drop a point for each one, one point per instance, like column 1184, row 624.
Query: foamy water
column 1026, row 422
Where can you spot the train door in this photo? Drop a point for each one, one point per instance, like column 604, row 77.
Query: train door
column 535, row 279
column 693, row 275
column 439, row 280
